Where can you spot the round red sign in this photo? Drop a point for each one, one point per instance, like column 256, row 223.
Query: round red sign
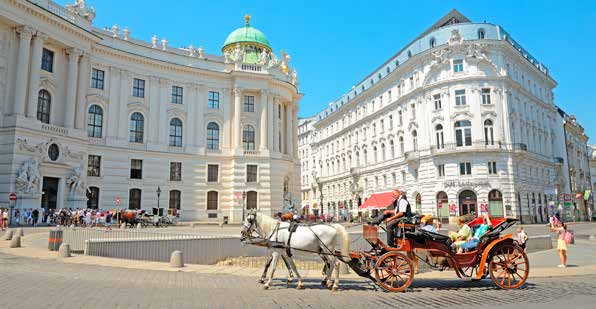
column 12, row 196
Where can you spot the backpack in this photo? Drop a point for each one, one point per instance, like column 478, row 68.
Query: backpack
column 567, row 237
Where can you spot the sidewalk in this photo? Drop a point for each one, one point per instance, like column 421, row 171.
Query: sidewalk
column 542, row 264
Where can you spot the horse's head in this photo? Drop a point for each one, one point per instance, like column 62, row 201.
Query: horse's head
column 250, row 227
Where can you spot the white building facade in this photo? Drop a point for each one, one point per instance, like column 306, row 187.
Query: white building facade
column 462, row 118
column 95, row 118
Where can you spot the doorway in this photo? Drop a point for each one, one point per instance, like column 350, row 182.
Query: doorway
column 467, row 203
column 49, row 195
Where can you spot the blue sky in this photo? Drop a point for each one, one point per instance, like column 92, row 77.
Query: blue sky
column 334, row 44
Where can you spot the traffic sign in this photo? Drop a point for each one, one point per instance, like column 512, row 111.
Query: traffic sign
column 12, row 196
column 118, row 200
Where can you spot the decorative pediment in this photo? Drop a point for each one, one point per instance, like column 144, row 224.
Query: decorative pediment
column 138, row 106
column 176, row 111
column 488, row 113
column 97, row 98
column 412, row 126
column 462, row 114
column 400, row 132
column 437, row 119
column 47, row 83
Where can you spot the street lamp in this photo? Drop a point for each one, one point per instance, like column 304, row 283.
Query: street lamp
column 322, row 205
column 243, row 208
column 158, row 191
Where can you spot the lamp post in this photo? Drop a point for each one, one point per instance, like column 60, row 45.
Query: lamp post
column 243, row 206
column 158, row 191
column 322, row 205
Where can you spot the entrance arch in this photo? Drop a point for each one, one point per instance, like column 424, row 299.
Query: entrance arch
column 495, row 204
column 418, row 199
column 467, row 203
column 443, row 207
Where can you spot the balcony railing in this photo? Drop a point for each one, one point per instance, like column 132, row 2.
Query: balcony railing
column 54, row 129
column 251, row 67
column 252, row 153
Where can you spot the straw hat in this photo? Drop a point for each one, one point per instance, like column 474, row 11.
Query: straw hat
column 427, row 219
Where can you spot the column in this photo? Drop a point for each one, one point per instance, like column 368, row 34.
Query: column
column 237, row 135
column 71, row 89
column 227, row 126
column 200, row 106
column 153, row 116
column 264, row 139
column 188, row 129
column 276, row 122
column 288, row 126
column 124, row 97
column 271, row 125
column 36, row 53
column 163, row 125
column 114, row 95
column 80, row 119
column 25, row 34
column 295, row 130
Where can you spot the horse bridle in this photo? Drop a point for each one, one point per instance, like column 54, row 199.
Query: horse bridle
column 254, row 233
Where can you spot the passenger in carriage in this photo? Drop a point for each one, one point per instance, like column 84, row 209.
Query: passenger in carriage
column 475, row 240
column 462, row 235
column 426, row 223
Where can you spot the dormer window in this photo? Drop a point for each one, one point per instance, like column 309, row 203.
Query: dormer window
column 481, row 33
column 432, row 43
column 409, row 53
column 458, row 66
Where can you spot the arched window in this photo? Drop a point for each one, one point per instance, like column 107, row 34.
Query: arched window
column 357, row 159
column 176, row 132
column 44, row 104
column 375, row 156
column 175, row 197
column 401, row 145
column 414, row 140
column 251, row 199
column 134, row 199
column 94, row 121
column 248, row 137
column 212, row 136
column 383, row 152
column 443, row 206
column 409, row 53
column 440, row 138
column 137, row 123
column 481, row 33
column 388, row 70
column 392, row 146
column 495, row 203
column 489, row 132
column 212, row 200
column 432, row 42
column 365, row 157
column 463, row 133
column 93, row 198
column 396, row 63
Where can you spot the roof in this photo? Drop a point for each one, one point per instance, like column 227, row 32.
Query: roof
column 247, row 34
column 379, row 201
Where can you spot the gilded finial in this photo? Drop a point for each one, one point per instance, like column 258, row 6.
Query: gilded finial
column 247, row 19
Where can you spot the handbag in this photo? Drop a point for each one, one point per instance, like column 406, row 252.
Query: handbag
column 567, row 237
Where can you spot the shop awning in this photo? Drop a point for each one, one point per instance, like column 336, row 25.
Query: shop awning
column 379, row 201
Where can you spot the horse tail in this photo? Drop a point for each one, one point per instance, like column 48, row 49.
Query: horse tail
column 344, row 238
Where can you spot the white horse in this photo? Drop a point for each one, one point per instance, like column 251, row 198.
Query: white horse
column 320, row 239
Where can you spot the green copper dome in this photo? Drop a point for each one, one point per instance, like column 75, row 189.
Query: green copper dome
column 247, row 34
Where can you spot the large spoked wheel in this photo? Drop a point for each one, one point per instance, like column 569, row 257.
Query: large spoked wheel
column 394, row 272
column 509, row 266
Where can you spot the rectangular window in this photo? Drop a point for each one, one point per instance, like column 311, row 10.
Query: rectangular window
column 138, row 88
column 136, row 169
column 437, row 100
column 492, row 168
column 415, row 174
column 400, row 118
column 47, row 60
column 175, row 171
column 458, row 66
column 403, row 177
column 177, row 94
column 390, row 122
column 93, row 166
column 465, row 168
column 213, row 100
column 441, row 170
column 460, row 97
column 486, row 96
column 212, row 173
column 249, row 104
column 97, row 79
column 251, row 173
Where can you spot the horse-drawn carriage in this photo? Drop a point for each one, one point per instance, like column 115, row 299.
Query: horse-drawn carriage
column 392, row 269
column 145, row 219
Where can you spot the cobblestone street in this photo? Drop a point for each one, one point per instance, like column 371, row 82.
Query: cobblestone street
column 30, row 283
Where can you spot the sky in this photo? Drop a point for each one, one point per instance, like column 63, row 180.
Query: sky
column 334, row 44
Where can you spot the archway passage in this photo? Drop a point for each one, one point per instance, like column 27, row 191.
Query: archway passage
column 495, row 204
column 49, row 197
column 443, row 207
column 467, row 203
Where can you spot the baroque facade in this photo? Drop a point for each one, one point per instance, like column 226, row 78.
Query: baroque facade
column 95, row 117
column 462, row 118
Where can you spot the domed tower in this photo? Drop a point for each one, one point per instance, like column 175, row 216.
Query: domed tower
column 252, row 41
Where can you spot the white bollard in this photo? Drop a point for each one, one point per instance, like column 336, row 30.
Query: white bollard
column 177, row 260
column 20, row 232
column 8, row 235
column 123, row 225
column 139, row 226
column 64, row 250
column 15, row 242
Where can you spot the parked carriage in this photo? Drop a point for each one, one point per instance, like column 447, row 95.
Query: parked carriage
column 392, row 269
column 144, row 219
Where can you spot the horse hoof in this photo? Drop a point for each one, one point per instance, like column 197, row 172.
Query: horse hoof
column 300, row 287
column 290, row 280
column 334, row 288
column 265, row 287
column 324, row 282
column 261, row 281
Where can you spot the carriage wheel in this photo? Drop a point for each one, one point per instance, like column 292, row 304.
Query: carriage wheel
column 394, row 272
column 509, row 266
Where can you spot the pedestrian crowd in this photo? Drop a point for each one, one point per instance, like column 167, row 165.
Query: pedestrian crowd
column 61, row 217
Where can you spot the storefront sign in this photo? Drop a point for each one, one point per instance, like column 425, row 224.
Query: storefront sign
column 452, row 209
column 483, row 208
column 567, row 197
column 460, row 183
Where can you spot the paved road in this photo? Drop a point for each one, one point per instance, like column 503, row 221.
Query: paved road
column 29, row 283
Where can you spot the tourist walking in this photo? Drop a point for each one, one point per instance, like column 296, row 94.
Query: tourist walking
column 34, row 216
column 562, row 241
column 4, row 218
column 522, row 237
